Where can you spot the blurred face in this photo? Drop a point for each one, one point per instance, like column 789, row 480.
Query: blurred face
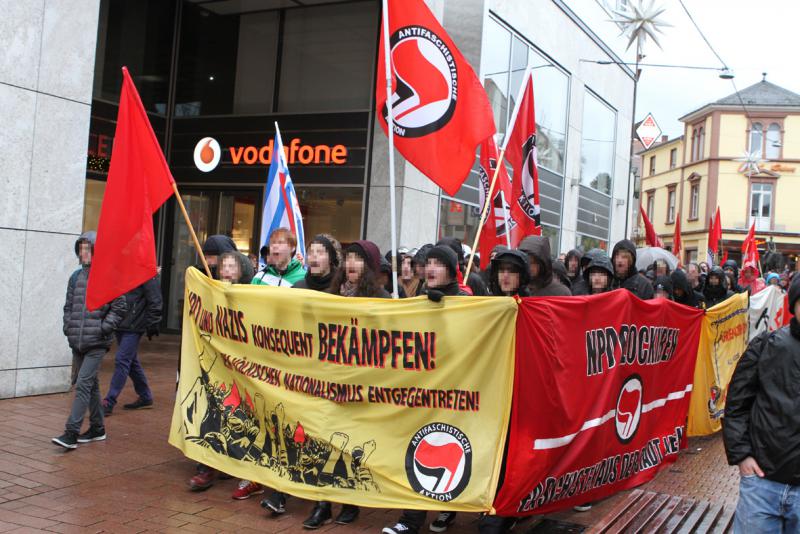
column 436, row 274
column 704, row 267
column 728, row 271
column 384, row 278
column 354, row 267
column 678, row 292
column 253, row 261
column 319, row 261
column 713, row 280
column 661, row 294
column 406, row 270
column 598, row 280
column 508, row 279
column 534, row 268
column 773, row 281
column 280, row 253
column 661, row 268
column 85, row 253
column 230, row 270
column 749, row 273
column 622, row 262
column 419, row 271
column 692, row 274
column 572, row 265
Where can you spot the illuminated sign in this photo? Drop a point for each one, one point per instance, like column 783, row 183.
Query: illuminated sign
column 207, row 154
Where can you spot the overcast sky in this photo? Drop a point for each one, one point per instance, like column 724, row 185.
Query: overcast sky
column 751, row 37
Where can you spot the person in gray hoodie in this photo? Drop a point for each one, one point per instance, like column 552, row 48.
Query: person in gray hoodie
column 89, row 334
column 543, row 283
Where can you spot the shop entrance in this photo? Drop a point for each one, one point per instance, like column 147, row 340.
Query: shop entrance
column 231, row 213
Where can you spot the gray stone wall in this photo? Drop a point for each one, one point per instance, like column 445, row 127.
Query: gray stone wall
column 46, row 71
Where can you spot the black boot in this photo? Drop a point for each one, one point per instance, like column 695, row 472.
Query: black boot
column 348, row 514
column 320, row 515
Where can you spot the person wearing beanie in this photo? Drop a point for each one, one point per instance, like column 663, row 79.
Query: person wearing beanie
column 662, row 287
column 323, row 258
column 543, row 283
column 359, row 277
column 773, row 279
column 214, row 247
column 510, row 274
column 475, row 283
column 761, row 428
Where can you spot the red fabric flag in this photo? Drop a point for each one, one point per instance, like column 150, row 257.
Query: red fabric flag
column 716, row 232
column 521, row 154
column 440, row 109
column 676, row 239
column 750, row 256
column 651, row 238
column 498, row 220
column 139, row 182
column 724, row 257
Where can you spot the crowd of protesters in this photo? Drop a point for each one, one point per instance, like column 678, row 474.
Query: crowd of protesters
column 360, row 270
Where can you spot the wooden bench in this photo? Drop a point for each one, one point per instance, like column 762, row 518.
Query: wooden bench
column 647, row 511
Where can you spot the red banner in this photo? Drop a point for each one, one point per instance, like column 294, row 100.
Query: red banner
column 600, row 399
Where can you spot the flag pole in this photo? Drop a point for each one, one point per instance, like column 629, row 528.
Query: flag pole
column 390, row 131
column 500, row 159
column 507, row 220
column 191, row 230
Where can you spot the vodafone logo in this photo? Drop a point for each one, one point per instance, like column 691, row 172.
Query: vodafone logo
column 207, row 154
column 439, row 462
column 426, row 82
column 629, row 408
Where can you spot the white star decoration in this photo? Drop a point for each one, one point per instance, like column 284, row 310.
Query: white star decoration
column 750, row 162
column 639, row 20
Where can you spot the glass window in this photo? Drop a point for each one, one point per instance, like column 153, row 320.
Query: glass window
column 652, row 165
column 587, row 243
column 457, row 219
column 650, row 205
column 694, row 201
column 331, row 210
column 761, row 206
column 701, row 143
column 324, row 68
column 673, row 158
column 671, row 206
column 773, row 144
column 597, row 144
column 496, row 48
column 756, row 138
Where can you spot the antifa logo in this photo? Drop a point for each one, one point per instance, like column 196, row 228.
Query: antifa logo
column 501, row 207
column 629, row 408
column 426, row 82
column 527, row 200
column 439, row 462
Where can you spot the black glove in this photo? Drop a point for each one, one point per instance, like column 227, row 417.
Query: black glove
column 435, row 295
column 152, row 330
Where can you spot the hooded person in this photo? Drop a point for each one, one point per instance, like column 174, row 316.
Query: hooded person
column 716, row 289
column 214, row 247
column 731, row 270
column 235, row 267
column 323, row 259
column 283, row 268
column 359, row 277
column 419, row 263
column 626, row 276
column 543, row 283
column 510, row 274
column 682, row 291
column 572, row 263
column 750, row 281
column 486, row 274
column 774, row 279
column 475, row 283
column 662, row 287
column 580, row 287
column 560, row 272
column 598, row 276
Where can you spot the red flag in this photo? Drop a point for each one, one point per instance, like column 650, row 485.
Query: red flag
column 724, row 257
column 139, row 182
column 750, row 255
column 715, row 233
column 498, row 220
column 521, row 154
column 676, row 239
column 749, row 240
column 440, row 109
column 651, row 238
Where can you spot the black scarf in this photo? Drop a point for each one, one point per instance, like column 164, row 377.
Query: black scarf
column 319, row 283
column 794, row 328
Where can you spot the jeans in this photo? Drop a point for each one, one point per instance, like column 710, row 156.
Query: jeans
column 127, row 364
column 87, row 391
column 767, row 507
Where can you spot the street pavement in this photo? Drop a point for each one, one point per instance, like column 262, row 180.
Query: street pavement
column 136, row 482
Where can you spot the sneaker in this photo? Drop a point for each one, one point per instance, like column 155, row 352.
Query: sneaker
column 320, row 516
column 583, row 507
column 68, row 440
column 203, row 480
column 399, row 528
column 348, row 514
column 442, row 522
column 246, row 489
column 275, row 503
column 93, row 434
column 108, row 409
column 139, row 404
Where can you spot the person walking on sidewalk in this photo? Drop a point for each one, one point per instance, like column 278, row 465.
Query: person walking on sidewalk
column 761, row 428
column 89, row 334
column 142, row 317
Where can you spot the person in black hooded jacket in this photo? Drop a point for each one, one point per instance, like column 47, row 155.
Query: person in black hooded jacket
column 574, row 266
column 761, row 428
column 682, row 291
column 598, row 276
column 731, row 270
column 627, row 277
column 543, row 283
column 214, row 247
column 580, row 287
column 510, row 274
column 662, row 287
column 475, row 282
column 716, row 289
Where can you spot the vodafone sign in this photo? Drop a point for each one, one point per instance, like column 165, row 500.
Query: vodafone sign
column 208, row 154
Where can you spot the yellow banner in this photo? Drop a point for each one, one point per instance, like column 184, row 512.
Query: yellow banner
column 391, row 404
column 723, row 340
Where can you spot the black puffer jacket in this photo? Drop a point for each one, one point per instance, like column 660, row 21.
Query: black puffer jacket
column 632, row 281
column 544, row 285
column 762, row 413
column 716, row 294
column 86, row 329
column 143, row 307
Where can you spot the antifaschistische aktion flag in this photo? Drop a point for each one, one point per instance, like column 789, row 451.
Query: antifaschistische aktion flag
column 440, row 110
column 499, row 228
column 139, row 182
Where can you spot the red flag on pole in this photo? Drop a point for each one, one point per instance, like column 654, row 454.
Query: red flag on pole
column 520, row 146
column 139, row 182
column 676, row 239
column 650, row 238
column 499, row 227
column 716, row 232
column 441, row 111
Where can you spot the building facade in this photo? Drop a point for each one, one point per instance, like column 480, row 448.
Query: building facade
column 217, row 74
column 741, row 154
